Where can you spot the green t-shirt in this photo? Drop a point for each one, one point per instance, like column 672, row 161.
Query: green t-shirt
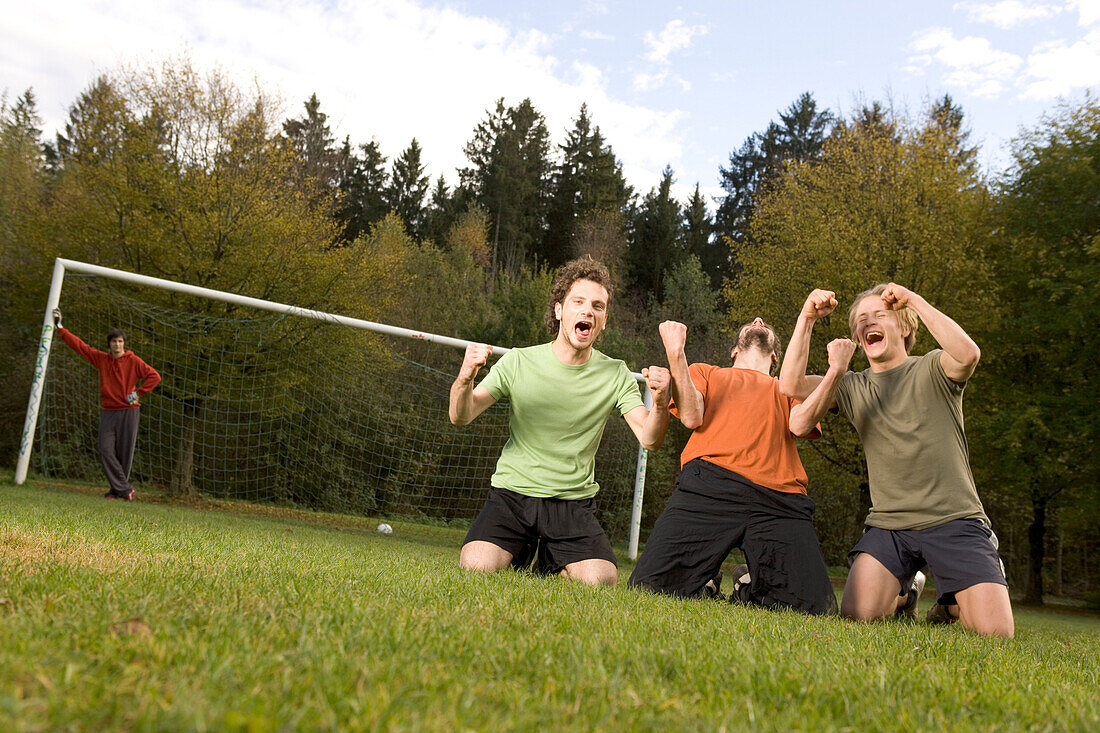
column 910, row 420
column 556, row 418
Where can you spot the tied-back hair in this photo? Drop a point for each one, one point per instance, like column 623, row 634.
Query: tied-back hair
column 906, row 316
column 582, row 268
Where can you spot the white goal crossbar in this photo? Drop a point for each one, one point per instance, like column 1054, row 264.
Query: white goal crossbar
column 61, row 266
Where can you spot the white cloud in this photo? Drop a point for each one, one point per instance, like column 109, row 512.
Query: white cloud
column 646, row 82
column 1058, row 68
column 1007, row 14
column 596, row 36
column 676, row 36
column 971, row 63
column 389, row 69
column 1088, row 11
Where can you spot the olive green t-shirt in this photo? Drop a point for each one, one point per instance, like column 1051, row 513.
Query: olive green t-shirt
column 910, row 420
column 556, row 419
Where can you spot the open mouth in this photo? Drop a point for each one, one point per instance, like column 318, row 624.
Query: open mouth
column 582, row 328
column 873, row 337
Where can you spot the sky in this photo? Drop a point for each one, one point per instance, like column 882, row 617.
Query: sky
column 669, row 84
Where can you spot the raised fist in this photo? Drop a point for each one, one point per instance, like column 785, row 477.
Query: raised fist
column 658, row 380
column 840, row 353
column 57, row 317
column 896, row 297
column 819, row 304
column 476, row 356
column 673, row 335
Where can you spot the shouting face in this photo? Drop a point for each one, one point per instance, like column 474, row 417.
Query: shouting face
column 583, row 314
column 879, row 331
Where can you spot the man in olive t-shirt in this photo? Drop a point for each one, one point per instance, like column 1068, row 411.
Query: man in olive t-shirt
column 924, row 505
column 560, row 397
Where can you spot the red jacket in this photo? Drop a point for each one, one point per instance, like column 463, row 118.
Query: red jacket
column 117, row 377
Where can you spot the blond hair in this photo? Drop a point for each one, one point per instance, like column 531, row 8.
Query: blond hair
column 906, row 316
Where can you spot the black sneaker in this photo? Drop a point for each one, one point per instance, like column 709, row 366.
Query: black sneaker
column 109, row 495
column 909, row 608
column 713, row 588
column 741, row 583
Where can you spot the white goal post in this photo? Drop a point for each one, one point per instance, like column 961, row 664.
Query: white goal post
column 61, row 266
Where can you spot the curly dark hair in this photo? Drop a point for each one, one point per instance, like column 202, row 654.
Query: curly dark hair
column 582, row 268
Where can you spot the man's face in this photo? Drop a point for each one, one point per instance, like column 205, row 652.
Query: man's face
column 878, row 330
column 583, row 314
column 755, row 335
column 117, row 345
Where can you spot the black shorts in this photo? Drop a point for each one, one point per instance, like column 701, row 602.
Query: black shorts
column 714, row 510
column 960, row 553
column 560, row 531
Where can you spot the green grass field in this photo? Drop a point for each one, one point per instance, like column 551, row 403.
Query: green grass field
column 153, row 616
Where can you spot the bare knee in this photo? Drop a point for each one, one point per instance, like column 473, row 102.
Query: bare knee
column 986, row 610
column 483, row 557
column 592, row 572
column 989, row 622
column 858, row 609
column 1003, row 628
column 871, row 591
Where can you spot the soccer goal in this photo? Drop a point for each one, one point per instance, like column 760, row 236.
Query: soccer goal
column 269, row 402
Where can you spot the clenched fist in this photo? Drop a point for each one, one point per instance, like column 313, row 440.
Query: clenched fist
column 840, row 353
column 658, row 379
column 819, row 304
column 476, row 356
column 673, row 335
column 896, row 297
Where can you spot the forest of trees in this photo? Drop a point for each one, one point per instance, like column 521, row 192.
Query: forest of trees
column 178, row 173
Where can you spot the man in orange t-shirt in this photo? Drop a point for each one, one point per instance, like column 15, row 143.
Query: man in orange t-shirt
column 741, row 483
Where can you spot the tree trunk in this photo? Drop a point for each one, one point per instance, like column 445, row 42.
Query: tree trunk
column 1036, row 534
column 184, row 464
column 864, row 505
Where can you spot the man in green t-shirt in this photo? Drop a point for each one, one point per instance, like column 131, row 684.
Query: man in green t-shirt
column 560, row 397
column 924, row 505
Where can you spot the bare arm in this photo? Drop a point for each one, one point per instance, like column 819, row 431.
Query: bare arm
column 806, row 416
column 960, row 354
column 689, row 401
column 467, row 401
column 649, row 426
column 793, row 380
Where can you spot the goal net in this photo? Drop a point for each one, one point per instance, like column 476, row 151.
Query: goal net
column 275, row 407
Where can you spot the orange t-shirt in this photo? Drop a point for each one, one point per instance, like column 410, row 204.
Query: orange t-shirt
column 746, row 427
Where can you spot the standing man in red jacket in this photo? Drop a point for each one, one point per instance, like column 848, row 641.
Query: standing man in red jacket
column 119, row 373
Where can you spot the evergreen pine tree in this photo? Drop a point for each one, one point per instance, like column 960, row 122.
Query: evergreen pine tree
column 408, row 188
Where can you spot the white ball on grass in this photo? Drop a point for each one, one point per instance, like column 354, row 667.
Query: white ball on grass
column 385, row 528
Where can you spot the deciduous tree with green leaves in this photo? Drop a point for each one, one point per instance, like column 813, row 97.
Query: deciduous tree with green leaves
column 178, row 174
column 884, row 202
column 1048, row 270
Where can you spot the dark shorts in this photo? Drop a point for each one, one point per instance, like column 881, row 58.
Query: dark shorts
column 558, row 531
column 714, row 510
column 960, row 553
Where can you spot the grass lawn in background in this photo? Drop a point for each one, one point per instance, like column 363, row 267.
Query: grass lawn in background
column 150, row 615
